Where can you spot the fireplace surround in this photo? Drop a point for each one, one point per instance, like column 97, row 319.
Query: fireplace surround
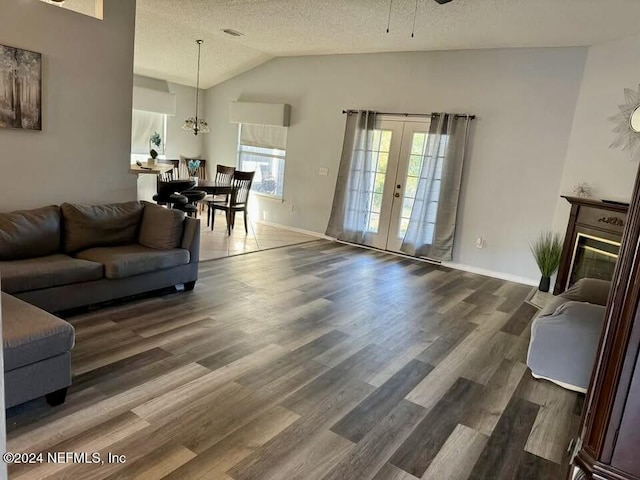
column 592, row 241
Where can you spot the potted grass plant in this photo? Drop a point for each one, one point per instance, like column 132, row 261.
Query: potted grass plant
column 547, row 249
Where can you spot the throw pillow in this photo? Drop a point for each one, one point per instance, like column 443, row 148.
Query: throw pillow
column 100, row 225
column 161, row 228
column 30, row 233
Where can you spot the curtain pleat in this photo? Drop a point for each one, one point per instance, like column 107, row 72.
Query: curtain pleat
column 352, row 197
column 432, row 224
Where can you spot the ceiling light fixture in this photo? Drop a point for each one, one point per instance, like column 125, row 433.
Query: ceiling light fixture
column 415, row 15
column 195, row 124
column 233, row 33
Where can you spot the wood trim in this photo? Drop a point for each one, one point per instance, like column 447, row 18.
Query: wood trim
column 592, row 202
column 588, row 215
column 605, row 391
column 600, row 471
column 567, row 251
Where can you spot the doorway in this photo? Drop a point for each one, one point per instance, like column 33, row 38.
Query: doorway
column 398, row 152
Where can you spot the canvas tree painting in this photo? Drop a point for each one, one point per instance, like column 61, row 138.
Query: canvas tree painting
column 20, row 88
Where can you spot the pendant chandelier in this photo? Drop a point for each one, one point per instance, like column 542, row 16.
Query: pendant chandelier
column 195, row 124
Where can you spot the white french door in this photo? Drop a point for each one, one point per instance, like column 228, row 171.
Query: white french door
column 398, row 153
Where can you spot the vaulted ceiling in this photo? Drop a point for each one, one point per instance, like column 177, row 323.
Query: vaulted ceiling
column 166, row 30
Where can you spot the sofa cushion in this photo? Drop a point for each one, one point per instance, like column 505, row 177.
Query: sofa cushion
column 129, row 260
column 30, row 335
column 100, row 225
column 30, row 233
column 590, row 290
column 161, row 228
column 46, row 272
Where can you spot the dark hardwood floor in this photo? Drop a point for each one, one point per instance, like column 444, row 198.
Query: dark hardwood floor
column 317, row 361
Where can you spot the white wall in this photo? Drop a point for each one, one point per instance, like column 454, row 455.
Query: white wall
column 610, row 68
column 82, row 153
column 180, row 142
column 524, row 99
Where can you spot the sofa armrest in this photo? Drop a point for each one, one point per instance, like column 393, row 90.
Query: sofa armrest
column 589, row 290
column 191, row 238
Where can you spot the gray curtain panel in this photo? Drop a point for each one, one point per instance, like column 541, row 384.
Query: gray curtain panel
column 352, row 198
column 432, row 223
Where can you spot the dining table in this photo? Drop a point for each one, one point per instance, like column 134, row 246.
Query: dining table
column 213, row 188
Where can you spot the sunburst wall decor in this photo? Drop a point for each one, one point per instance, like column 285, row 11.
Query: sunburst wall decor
column 628, row 123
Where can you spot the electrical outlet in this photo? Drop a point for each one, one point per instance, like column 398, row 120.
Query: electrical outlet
column 323, row 172
column 481, row 243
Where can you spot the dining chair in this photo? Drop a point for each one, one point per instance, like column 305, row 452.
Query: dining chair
column 224, row 176
column 171, row 174
column 238, row 200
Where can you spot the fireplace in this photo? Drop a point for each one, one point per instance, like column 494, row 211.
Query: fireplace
column 592, row 241
column 593, row 257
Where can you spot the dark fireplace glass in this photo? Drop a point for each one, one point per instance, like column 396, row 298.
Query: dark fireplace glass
column 593, row 258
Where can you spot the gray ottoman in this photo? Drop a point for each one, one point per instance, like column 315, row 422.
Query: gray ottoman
column 565, row 335
column 37, row 358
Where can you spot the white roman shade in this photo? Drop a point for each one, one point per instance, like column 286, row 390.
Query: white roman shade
column 157, row 101
column 274, row 114
column 264, row 136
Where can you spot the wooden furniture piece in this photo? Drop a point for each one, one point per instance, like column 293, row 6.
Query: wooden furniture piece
column 609, row 443
column 213, row 188
column 590, row 219
column 238, row 200
column 224, row 177
column 224, row 174
column 171, row 174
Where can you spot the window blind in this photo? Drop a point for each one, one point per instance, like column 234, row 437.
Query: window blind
column 264, row 136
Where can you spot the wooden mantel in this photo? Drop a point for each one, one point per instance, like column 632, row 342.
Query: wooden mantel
column 595, row 203
column 589, row 216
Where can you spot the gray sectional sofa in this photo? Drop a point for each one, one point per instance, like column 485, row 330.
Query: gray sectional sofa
column 58, row 258
column 37, row 353
column 566, row 333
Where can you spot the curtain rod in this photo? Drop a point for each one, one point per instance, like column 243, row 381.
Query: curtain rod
column 457, row 115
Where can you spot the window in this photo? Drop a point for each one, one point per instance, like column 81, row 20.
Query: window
column 381, row 145
column 143, row 126
column 262, row 149
column 417, row 158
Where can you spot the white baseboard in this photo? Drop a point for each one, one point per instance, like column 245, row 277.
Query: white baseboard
column 456, row 266
column 295, row 229
column 492, row 273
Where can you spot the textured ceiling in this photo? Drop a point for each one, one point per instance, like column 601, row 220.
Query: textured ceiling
column 167, row 29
